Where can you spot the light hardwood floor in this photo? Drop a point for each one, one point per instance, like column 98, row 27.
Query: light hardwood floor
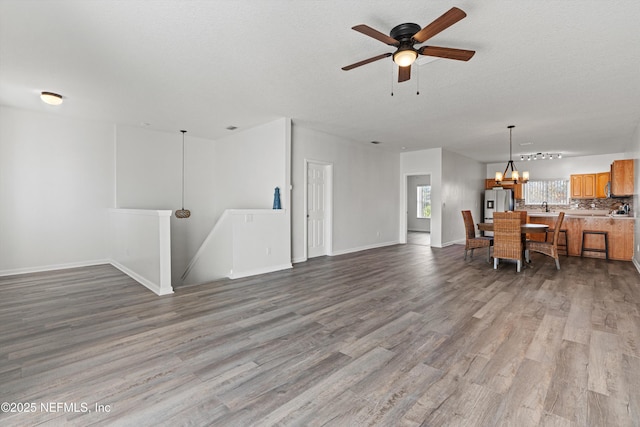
column 404, row 335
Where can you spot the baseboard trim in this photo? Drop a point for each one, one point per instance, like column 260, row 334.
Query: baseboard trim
column 255, row 272
column 365, row 248
column 40, row 269
column 455, row 242
column 153, row 287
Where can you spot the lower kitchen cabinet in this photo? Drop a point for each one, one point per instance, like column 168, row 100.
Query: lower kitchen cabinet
column 620, row 235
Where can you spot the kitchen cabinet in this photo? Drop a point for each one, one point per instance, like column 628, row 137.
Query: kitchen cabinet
column 622, row 178
column 518, row 194
column 583, row 186
column 602, row 180
column 620, row 230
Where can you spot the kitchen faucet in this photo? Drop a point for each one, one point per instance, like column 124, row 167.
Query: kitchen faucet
column 545, row 205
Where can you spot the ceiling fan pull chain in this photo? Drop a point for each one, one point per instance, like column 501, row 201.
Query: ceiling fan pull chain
column 392, row 67
column 417, row 81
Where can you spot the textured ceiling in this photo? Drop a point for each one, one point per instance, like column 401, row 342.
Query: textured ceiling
column 566, row 73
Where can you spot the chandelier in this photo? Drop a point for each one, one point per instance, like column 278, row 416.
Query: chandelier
column 514, row 178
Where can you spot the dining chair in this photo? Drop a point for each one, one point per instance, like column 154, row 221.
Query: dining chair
column 472, row 241
column 507, row 238
column 523, row 217
column 546, row 248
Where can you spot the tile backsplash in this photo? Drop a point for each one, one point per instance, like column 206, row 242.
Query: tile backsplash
column 584, row 204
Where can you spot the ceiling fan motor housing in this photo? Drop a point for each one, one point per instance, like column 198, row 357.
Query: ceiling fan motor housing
column 404, row 34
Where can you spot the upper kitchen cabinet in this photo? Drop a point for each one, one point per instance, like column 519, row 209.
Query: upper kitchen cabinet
column 583, row 186
column 602, row 181
column 622, row 178
column 517, row 188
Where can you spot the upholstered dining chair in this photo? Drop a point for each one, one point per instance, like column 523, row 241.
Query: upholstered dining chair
column 507, row 238
column 547, row 248
column 472, row 241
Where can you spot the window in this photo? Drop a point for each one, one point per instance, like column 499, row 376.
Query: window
column 424, row 201
column 552, row 191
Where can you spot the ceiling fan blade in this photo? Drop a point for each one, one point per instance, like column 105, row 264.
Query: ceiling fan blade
column 449, row 18
column 447, row 52
column 404, row 73
column 366, row 61
column 368, row 31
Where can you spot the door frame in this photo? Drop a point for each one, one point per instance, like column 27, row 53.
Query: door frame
column 404, row 204
column 328, row 229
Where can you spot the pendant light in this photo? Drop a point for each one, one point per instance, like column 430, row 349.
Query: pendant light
column 183, row 213
column 501, row 178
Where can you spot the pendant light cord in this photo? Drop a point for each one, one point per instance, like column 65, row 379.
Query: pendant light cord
column 183, row 132
column 510, row 142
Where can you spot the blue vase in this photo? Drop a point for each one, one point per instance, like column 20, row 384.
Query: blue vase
column 276, row 199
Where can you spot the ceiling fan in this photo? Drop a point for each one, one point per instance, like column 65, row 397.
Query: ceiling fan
column 405, row 36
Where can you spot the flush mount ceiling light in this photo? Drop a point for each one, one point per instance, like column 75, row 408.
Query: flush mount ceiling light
column 501, row 178
column 51, row 98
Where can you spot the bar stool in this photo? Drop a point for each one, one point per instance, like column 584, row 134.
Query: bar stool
column 606, row 245
column 564, row 247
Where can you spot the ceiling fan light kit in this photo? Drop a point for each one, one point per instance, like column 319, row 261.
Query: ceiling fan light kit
column 405, row 58
column 501, row 178
column 405, row 36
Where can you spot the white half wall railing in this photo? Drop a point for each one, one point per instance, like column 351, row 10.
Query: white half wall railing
column 243, row 242
column 140, row 246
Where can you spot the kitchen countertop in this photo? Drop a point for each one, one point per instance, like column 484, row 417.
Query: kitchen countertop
column 581, row 213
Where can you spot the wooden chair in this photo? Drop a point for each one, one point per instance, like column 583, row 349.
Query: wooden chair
column 472, row 242
column 547, row 248
column 507, row 238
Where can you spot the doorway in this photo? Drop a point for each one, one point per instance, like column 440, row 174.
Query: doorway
column 318, row 208
column 418, row 219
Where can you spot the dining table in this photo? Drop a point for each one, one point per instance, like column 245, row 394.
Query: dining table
column 524, row 228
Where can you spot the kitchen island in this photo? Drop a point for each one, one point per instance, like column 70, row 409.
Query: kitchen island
column 620, row 231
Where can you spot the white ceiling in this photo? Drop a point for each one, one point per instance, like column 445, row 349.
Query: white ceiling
column 566, row 73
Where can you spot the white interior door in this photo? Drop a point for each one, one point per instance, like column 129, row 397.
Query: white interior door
column 318, row 224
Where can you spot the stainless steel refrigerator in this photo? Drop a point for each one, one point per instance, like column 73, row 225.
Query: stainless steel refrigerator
column 497, row 200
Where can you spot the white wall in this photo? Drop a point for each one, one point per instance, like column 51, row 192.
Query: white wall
column 365, row 191
column 240, row 171
column 149, row 176
column 462, row 189
column 249, row 165
column 413, row 222
column 56, row 185
column 140, row 246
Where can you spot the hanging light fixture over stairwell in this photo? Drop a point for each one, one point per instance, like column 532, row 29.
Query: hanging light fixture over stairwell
column 183, row 213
